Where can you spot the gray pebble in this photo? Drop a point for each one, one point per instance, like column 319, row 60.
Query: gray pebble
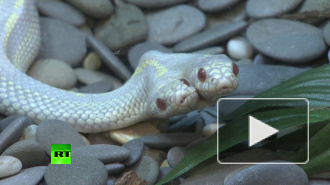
column 58, row 132
column 62, row 11
column 329, row 56
column 286, row 40
column 6, row 121
column 175, row 155
column 30, row 176
column 270, row 8
column 209, row 114
column 135, row 52
column 29, row 152
column 154, row 4
column 111, row 181
column 215, row 5
column 13, row 131
column 210, row 36
column 114, row 168
column 174, row 24
column 147, row 168
column 326, row 33
column 315, row 5
column 211, row 50
column 104, row 153
column 135, row 148
column 98, row 87
column 270, row 174
column 97, row 9
column 169, row 140
column 126, row 28
column 185, row 122
column 163, row 172
column 62, row 41
column 82, row 170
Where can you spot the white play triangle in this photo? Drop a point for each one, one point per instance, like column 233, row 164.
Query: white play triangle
column 259, row 131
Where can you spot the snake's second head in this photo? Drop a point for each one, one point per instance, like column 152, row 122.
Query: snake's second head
column 214, row 76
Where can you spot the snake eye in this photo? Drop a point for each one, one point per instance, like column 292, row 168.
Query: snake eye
column 201, row 75
column 185, row 82
column 161, row 104
column 235, row 69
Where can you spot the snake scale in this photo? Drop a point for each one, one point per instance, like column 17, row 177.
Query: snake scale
column 162, row 85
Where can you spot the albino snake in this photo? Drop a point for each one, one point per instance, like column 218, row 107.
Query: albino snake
column 163, row 85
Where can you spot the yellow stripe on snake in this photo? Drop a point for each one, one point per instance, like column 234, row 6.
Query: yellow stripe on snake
column 163, row 85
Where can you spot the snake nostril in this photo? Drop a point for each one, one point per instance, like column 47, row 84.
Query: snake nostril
column 161, row 104
column 185, row 82
column 182, row 99
column 235, row 69
column 212, row 80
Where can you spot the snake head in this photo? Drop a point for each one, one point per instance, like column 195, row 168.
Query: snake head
column 214, row 76
column 173, row 98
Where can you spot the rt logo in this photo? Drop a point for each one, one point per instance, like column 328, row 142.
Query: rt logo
column 60, row 154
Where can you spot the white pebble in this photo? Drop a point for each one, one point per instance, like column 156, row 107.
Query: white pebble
column 9, row 166
column 30, row 133
column 210, row 129
column 239, row 48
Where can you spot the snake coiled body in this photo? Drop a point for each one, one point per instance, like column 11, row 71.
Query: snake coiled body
column 163, row 85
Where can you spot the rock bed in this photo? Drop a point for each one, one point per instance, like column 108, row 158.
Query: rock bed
column 77, row 39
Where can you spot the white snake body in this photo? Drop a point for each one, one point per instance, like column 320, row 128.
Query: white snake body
column 163, row 85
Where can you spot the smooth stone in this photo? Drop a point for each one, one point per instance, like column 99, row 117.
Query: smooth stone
column 255, row 79
column 211, row 50
column 114, row 168
column 108, row 58
column 270, row 8
column 164, row 164
column 285, row 40
column 62, row 41
column 13, row 131
column 58, row 132
column 136, row 52
column 147, row 168
column 104, row 153
column 82, row 170
column 209, row 114
column 239, row 48
column 97, row 9
column 210, row 36
column 54, row 73
column 163, row 171
column 326, row 33
column 30, row 133
column 158, row 155
column 97, row 87
column 135, row 148
column 316, row 182
column 127, row 27
column 29, row 152
column 9, row 165
column 5, row 121
column 210, row 129
column 185, row 122
column 269, row 174
column 30, row 176
column 111, row 181
column 89, row 77
column 329, row 56
column 92, row 61
column 175, row 155
column 62, row 11
column 154, row 4
column 169, row 140
column 173, row 24
column 315, row 5
column 215, row 5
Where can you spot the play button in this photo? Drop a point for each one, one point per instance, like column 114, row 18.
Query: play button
column 259, row 131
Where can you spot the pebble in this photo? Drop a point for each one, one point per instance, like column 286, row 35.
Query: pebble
column 89, row 77
column 169, row 140
column 158, row 155
column 104, row 153
column 98, row 87
column 82, row 170
column 114, row 168
column 185, row 122
column 58, row 132
column 269, row 174
column 135, row 148
column 120, row 32
column 97, row 9
column 54, row 73
column 326, row 33
column 270, row 8
column 6, row 121
column 147, row 168
column 209, row 114
column 329, row 56
column 62, row 11
column 9, row 165
column 215, row 5
column 30, row 133
column 30, row 176
column 210, row 36
column 29, row 152
column 175, row 155
column 174, row 24
column 155, row 4
column 315, row 5
column 92, row 61
column 211, row 50
column 210, row 129
column 136, row 52
column 13, row 131
column 285, row 40
column 239, row 48
column 62, row 41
